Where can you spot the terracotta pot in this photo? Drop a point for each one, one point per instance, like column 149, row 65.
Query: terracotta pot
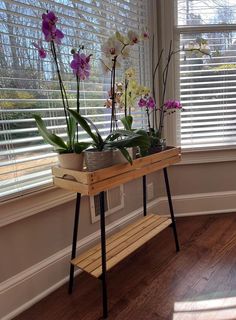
column 72, row 161
column 119, row 158
column 96, row 160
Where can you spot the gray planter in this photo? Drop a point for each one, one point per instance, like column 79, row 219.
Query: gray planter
column 119, row 158
column 96, row 160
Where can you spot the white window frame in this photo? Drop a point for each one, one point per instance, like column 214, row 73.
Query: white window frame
column 167, row 29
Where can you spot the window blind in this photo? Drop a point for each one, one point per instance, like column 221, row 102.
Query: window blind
column 29, row 85
column 207, row 85
column 208, row 94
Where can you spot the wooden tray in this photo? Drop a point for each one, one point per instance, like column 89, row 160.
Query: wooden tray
column 91, row 183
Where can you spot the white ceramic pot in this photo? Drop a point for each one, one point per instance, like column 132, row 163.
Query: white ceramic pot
column 95, row 160
column 72, row 161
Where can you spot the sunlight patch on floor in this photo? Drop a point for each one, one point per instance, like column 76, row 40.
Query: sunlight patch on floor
column 212, row 309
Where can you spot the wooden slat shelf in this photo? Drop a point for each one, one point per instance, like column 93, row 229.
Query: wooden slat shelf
column 91, row 183
column 122, row 244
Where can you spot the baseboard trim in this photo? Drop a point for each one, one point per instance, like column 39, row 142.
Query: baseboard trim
column 15, row 290
column 199, row 204
column 33, row 284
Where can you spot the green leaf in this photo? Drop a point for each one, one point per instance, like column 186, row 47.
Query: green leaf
column 126, row 155
column 134, row 140
column 72, row 126
column 141, row 132
column 113, row 136
column 81, row 146
column 83, row 122
column 146, row 145
column 49, row 137
column 118, row 134
column 127, row 122
column 96, row 129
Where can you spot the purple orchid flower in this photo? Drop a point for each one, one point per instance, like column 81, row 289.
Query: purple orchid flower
column 80, row 65
column 50, row 17
column 142, row 103
column 49, row 29
column 172, row 104
column 150, row 103
column 41, row 50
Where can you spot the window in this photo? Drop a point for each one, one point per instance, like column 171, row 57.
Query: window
column 28, row 85
column 207, row 86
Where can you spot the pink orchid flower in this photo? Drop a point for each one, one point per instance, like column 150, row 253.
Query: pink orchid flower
column 172, row 104
column 142, row 103
column 49, row 29
column 50, row 17
column 145, row 35
column 80, row 65
column 150, row 103
column 147, row 102
column 41, row 50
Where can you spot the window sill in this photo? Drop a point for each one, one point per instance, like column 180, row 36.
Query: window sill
column 207, row 156
column 28, row 205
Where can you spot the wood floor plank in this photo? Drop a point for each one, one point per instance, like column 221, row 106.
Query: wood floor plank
column 155, row 283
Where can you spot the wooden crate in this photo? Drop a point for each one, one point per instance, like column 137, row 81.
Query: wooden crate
column 91, row 183
column 121, row 244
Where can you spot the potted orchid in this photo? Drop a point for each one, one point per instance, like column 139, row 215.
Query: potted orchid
column 167, row 107
column 101, row 156
column 170, row 106
column 129, row 100
column 116, row 49
column 70, row 151
column 141, row 96
column 132, row 94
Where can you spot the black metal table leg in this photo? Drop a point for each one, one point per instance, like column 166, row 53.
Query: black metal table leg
column 144, row 196
column 103, row 247
column 74, row 241
column 171, row 209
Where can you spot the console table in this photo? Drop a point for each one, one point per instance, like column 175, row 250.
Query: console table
column 102, row 257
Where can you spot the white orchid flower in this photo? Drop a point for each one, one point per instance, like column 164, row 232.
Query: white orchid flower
column 112, row 47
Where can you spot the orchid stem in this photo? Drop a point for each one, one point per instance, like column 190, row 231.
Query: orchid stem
column 62, row 89
column 165, row 77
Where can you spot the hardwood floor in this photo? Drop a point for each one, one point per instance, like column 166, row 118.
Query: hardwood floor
column 155, row 283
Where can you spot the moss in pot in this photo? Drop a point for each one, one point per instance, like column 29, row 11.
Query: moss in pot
column 101, row 155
